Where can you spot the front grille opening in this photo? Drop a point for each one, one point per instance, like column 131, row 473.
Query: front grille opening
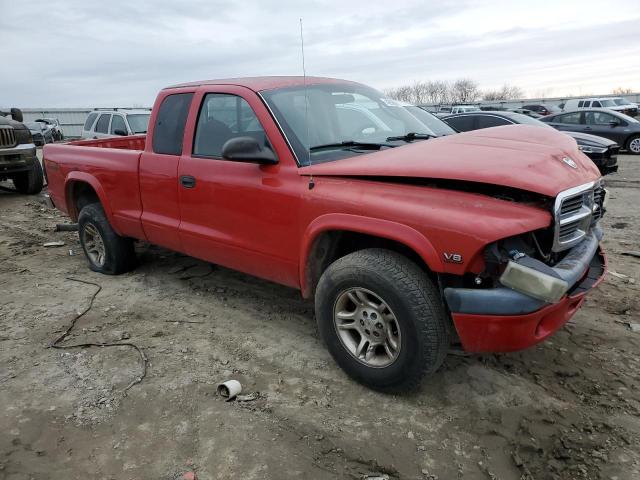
column 572, row 205
column 576, row 213
column 7, row 137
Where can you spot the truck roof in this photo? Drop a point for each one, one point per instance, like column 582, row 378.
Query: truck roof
column 264, row 83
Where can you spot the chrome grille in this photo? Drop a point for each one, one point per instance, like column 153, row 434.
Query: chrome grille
column 7, row 137
column 576, row 210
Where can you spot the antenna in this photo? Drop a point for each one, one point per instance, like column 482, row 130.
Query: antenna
column 306, row 98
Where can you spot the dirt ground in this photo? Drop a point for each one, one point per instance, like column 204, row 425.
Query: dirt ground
column 566, row 409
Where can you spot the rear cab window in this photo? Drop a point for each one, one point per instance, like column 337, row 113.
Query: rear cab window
column 168, row 131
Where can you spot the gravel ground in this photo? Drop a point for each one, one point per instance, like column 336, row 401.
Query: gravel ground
column 566, row 409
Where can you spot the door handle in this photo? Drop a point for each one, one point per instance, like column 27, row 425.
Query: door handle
column 188, row 181
column 588, row 128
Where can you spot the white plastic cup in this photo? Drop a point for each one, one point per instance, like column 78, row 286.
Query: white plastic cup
column 229, row 389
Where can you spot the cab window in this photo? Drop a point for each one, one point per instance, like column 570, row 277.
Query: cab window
column 461, row 124
column 488, row 121
column 168, row 130
column 223, row 117
column 117, row 123
column 599, row 118
column 102, row 126
column 89, row 121
column 571, row 118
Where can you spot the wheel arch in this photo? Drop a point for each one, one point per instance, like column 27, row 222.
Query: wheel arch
column 79, row 185
column 332, row 236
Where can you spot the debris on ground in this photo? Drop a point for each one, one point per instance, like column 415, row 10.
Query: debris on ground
column 53, row 244
column 229, row 389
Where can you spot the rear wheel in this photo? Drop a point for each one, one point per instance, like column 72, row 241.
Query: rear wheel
column 382, row 319
column 633, row 145
column 31, row 181
column 106, row 251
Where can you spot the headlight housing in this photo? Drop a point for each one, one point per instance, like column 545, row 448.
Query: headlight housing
column 23, row 135
column 591, row 149
column 535, row 283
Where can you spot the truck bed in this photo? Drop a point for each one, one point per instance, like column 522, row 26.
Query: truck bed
column 110, row 167
column 132, row 142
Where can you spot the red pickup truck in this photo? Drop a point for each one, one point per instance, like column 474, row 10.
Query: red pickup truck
column 408, row 243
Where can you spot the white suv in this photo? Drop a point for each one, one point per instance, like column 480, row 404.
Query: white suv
column 610, row 103
column 112, row 123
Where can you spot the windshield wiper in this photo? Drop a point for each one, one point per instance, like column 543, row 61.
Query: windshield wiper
column 411, row 136
column 350, row 144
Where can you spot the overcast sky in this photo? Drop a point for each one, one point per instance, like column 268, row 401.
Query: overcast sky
column 83, row 53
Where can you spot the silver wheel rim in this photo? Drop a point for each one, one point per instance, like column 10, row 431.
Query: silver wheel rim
column 93, row 244
column 367, row 327
column 634, row 145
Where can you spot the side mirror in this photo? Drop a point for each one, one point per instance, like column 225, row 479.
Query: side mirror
column 120, row 132
column 247, row 149
column 16, row 114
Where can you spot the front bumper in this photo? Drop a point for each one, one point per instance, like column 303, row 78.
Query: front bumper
column 607, row 162
column 17, row 159
column 503, row 320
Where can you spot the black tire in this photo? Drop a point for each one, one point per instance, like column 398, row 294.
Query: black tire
column 415, row 303
column 118, row 253
column 30, row 182
column 628, row 146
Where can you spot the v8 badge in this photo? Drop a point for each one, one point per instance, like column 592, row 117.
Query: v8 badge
column 452, row 257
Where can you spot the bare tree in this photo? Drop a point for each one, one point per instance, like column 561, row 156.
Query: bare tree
column 464, row 90
column 622, row 91
column 506, row 92
column 440, row 92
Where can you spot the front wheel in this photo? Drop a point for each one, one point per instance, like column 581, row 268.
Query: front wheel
column 633, row 145
column 382, row 319
column 106, row 251
column 31, row 181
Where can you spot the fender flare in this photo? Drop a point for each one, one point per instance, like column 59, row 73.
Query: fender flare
column 83, row 177
column 398, row 232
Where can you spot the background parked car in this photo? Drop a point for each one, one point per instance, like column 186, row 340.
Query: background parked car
column 37, row 130
column 631, row 108
column 601, row 122
column 527, row 112
column 54, row 125
column 111, row 123
column 610, row 103
column 436, row 125
column 541, row 109
column 602, row 151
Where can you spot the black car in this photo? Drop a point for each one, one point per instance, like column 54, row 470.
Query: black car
column 37, row 132
column 602, row 151
column 542, row 109
column 601, row 122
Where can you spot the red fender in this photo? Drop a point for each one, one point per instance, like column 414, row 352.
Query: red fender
column 371, row 226
column 84, row 177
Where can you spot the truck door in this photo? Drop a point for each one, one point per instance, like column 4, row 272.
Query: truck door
column 159, row 171
column 238, row 214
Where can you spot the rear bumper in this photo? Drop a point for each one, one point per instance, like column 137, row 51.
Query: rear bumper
column 503, row 320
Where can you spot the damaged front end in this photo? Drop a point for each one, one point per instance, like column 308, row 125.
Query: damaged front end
column 533, row 283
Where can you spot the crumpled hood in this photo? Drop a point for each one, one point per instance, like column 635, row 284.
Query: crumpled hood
column 518, row 156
